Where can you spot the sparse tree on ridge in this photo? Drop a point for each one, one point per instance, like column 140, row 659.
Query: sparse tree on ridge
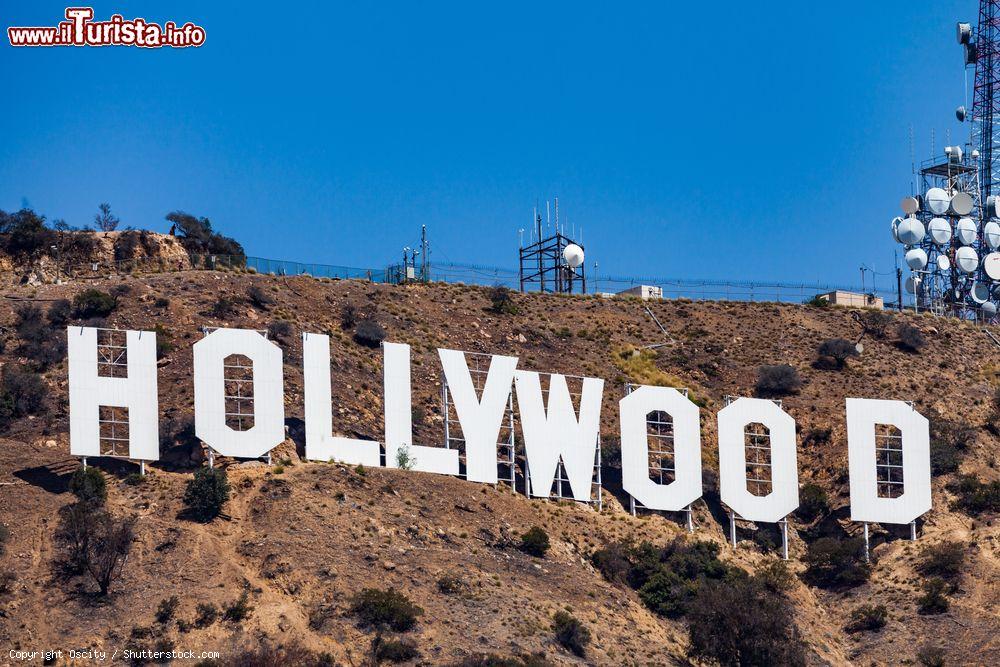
column 106, row 221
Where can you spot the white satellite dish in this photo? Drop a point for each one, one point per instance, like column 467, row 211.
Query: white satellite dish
column 980, row 293
column 961, row 203
column 966, row 259
column 991, row 234
column 910, row 205
column 910, row 231
column 937, row 200
column 989, row 309
column 943, row 262
column 991, row 207
column 573, row 254
column 939, row 230
column 991, row 265
column 963, row 32
column 966, row 231
column 912, row 283
column 916, row 258
column 894, row 226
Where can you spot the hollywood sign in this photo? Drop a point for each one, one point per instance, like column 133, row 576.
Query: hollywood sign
column 557, row 436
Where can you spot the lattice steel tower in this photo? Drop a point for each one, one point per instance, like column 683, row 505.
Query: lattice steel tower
column 982, row 51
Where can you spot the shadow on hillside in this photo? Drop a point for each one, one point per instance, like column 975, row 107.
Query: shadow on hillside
column 53, row 478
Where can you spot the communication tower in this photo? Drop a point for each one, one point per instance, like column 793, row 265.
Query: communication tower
column 950, row 229
column 551, row 260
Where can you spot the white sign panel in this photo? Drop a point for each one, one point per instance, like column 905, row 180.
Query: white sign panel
column 268, row 428
column 553, row 431
column 399, row 417
column 784, row 496
column 862, row 416
column 88, row 391
column 686, row 486
column 480, row 417
column 321, row 444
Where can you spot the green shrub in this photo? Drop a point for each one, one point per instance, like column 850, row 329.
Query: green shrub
column 910, row 338
column 43, row 344
column 60, row 312
column 260, row 298
column 279, row 330
column 934, row 600
column 205, row 614
column 813, row 502
column 740, row 622
column 931, row 656
column 89, row 485
column 22, row 393
column 818, row 302
column 223, row 308
column 777, row 381
column 238, row 609
column 93, row 303
column 570, row 633
column 839, row 350
column 943, row 560
column 164, row 341
column 833, row 563
column 535, row 542
column 393, row 650
column 206, row 494
column 167, row 608
column 868, row 618
column 502, row 300
column 383, row 609
column 369, row 333
column 4, row 538
column 976, row 497
column 667, row 593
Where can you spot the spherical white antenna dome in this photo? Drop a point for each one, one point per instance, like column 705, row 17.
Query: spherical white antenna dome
column 916, row 258
column 573, row 254
column 966, row 259
column 966, row 231
column 939, row 230
column 938, row 201
column 910, row 231
column 991, row 233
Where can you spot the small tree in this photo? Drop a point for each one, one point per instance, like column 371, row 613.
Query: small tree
column 739, row 622
column 868, row 618
column 108, row 548
column 944, row 560
column 207, row 493
column 405, row 460
column 502, row 300
column 369, row 333
column 833, row 563
column 776, row 381
column 535, row 542
column 813, row 502
column 93, row 303
column 570, row 633
column 839, row 350
column 385, row 610
column 934, row 600
column 88, row 485
column 910, row 338
column 105, row 220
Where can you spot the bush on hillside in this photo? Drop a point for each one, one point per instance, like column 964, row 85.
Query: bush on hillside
column 813, row 502
column 279, row 330
column 868, row 618
column 777, row 381
column 502, row 300
column 40, row 343
column 570, row 633
column 223, row 308
column 259, row 297
column 206, row 494
column 910, row 338
column 833, row 563
column 93, row 303
column 839, row 350
column 740, row 622
column 944, row 560
column 369, row 333
column 97, row 542
column 23, row 235
column 385, row 609
column 535, row 542
column 60, row 312
column 934, row 600
column 975, row 497
column 393, row 650
column 22, row 393
column 198, row 238
column 88, row 485
column 931, row 656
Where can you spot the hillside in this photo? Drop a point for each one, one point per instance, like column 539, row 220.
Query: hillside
column 305, row 537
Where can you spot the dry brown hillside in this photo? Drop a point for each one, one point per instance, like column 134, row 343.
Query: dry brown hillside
column 305, row 537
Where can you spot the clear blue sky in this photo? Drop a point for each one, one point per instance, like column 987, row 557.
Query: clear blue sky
column 731, row 140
